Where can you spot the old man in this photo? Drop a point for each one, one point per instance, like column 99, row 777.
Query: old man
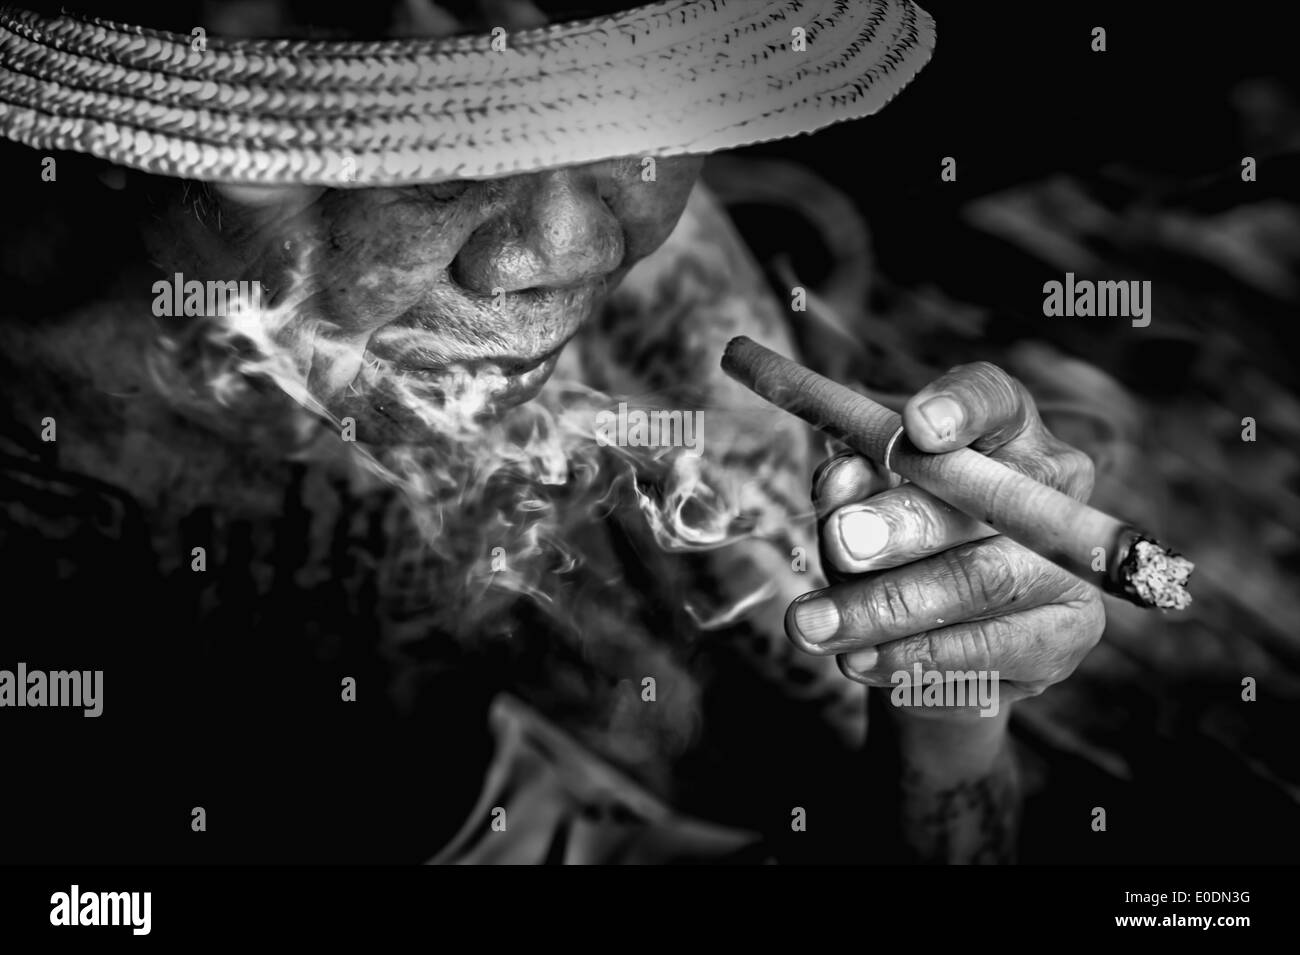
column 362, row 580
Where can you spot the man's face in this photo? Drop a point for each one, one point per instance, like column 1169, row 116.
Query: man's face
column 488, row 279
column 421, row 286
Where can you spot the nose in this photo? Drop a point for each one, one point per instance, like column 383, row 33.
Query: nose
column 555, row 231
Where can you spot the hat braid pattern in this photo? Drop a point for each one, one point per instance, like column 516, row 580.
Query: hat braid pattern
column 665, row 79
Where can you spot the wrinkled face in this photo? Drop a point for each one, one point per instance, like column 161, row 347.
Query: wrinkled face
column 489, row 278
column 424, row 285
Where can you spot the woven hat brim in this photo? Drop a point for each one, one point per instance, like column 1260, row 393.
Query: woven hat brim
column 683, row 76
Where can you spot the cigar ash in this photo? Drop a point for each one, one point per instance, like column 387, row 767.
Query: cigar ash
column 1156, row 577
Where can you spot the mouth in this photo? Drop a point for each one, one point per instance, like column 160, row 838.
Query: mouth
column 512, row 380
column 505, row 379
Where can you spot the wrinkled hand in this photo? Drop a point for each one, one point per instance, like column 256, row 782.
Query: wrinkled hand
column 913, row 580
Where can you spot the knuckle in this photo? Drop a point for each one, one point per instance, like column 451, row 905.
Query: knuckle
column 1068, row 468
column 1047, row 469
column 924, row 523
column 887, row 606
column 967, row 582
column 1002, row 572
column 1083, row 474
column 977, row 647
column 982, row 577
column 928, row 653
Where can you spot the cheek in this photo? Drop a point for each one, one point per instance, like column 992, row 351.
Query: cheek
column 382, row 256
column 650, row 210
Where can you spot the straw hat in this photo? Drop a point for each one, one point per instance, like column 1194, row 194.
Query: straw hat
column 682, row 76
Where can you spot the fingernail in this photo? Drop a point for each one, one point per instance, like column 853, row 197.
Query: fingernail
column 863, row 533
column 944, row 416
column 862, row 660
column 817, row 619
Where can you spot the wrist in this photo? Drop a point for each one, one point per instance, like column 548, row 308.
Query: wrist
column 957, row 747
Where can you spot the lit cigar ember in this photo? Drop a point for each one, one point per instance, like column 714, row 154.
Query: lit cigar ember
column 1156, row 576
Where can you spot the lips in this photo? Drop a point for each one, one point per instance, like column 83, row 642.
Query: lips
column 505, row 366
column 510, row 380
column 517, row 367
column 547, row 323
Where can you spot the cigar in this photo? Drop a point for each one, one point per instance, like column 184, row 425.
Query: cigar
column 1105, row 551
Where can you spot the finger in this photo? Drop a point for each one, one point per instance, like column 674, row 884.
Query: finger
column 969, row 582
column 892, row 528
column 979, row 405
column 1042, row 645
column 847, row 477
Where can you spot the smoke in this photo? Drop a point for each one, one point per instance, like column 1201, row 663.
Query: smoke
column 503, row 503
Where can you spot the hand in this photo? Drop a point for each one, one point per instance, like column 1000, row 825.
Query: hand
column 914, row 581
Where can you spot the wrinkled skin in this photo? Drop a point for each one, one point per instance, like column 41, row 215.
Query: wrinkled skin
column 496, row 275
column 493, row 276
